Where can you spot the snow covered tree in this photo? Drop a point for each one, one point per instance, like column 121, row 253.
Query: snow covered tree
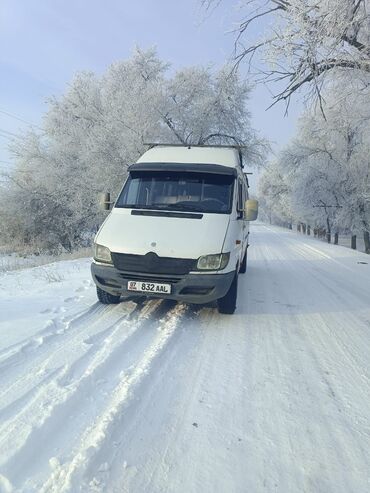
column 100, row 126
column 304, row 40
column 275, row 195
column 328, row 165
column 202, row 108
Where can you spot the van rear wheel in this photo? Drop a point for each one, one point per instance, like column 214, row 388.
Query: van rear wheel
column 227, row 304
column 107, row 298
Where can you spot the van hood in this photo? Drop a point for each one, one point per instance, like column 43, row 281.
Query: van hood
column 178, row 237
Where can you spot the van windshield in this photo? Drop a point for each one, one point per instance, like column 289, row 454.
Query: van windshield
column 179, row 191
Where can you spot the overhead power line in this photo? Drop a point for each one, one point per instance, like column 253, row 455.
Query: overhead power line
column 19, row 118
column 9, row 133
column 6, row 136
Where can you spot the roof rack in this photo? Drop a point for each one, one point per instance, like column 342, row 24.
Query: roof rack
column 239, row 147
column 235, row 146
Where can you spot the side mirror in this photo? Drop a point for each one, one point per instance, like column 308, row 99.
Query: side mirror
column 105, row 201
column 251, row 210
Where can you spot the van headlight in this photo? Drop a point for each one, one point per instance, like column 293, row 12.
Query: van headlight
column 213, row 262
column 102, row 254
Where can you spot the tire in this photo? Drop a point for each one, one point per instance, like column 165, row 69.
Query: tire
column 107, row 298
column 243, row 265
column 227, row 304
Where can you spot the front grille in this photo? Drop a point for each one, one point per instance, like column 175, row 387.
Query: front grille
column 151, row 263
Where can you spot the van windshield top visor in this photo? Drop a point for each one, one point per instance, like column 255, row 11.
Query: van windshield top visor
column 218, row 169
column 178, row 190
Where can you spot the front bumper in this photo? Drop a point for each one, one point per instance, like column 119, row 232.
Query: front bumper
column 190, row 288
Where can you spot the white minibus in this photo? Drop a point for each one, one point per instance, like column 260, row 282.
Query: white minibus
column 179, row 228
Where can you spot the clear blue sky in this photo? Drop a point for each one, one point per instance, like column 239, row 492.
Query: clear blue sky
column 43, row 43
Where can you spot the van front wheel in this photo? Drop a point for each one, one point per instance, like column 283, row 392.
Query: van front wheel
column 107, row 298
column 227, row 304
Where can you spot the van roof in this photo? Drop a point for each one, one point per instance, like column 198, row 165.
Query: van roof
column 225, row 156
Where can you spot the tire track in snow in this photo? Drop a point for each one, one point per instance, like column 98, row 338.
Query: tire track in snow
column 17, row 406
column 88, row 383
column 201, row 365
column 346, row 295
column 32, row 366
column 328, row 349
column 349, row 335
column 66, row 476
column 55, row 327
column 340, row 297
column 40, row 401
column 139, row 311
column 148, row 416
column 152, row 439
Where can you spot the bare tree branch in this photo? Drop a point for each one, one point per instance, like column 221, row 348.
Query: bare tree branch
column 220, row 135
column 307, row 40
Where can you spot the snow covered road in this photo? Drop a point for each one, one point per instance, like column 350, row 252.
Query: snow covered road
column 161, row 397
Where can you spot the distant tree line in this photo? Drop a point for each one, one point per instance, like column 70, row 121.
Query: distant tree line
column 98, row 128
column 322, row 177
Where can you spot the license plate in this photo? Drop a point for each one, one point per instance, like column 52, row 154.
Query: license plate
column 148, row 287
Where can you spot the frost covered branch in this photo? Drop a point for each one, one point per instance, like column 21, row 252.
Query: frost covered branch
column 304, row 40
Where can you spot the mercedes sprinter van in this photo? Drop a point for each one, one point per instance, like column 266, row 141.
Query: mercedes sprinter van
column 179, row 228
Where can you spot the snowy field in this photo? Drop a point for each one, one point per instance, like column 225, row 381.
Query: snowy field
column 161, row 397
column 17, row 261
